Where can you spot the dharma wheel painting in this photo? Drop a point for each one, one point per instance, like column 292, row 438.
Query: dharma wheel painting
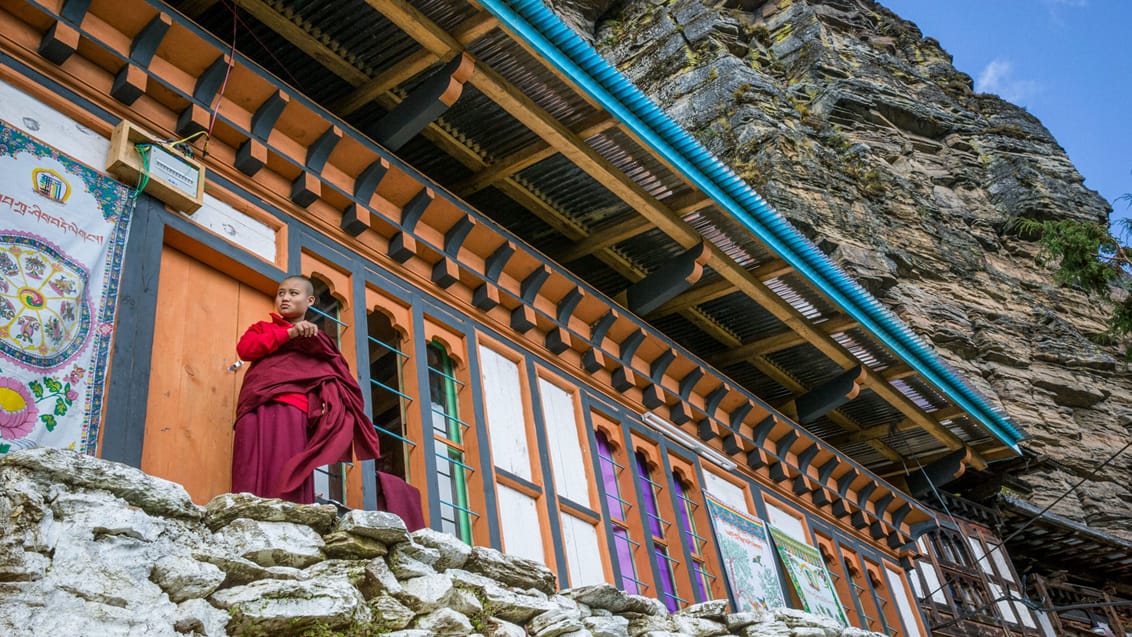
column 44, row 310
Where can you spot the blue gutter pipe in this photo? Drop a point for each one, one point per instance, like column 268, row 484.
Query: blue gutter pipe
column 540, row 28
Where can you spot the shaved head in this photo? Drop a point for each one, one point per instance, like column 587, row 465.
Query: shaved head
column 308, row 285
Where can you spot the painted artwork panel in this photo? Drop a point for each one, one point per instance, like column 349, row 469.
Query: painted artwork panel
column 63, row 228
column 748, row 558
column 811, row 581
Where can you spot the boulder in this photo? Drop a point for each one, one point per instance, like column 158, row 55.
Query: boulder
column 273, row 543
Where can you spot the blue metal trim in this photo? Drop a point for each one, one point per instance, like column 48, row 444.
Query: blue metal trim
column 389, row 389
column 394, row 435
column 541, row 29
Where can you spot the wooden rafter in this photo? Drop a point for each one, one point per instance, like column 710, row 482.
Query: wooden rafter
column 629, row 228
column 566, row 142
column 526, row 157
column 779, row 342
column 719, row 288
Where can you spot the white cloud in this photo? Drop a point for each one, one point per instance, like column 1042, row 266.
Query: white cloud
column 998, row 78
column 1055, row 6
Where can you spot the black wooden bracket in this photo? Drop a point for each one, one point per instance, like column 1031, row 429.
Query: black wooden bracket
column 428, row 101
column 678, row 413
column 251, row 157
column 829, row 395
column 567, row 305
column 145, row 44
column 783, row 444
column 497, row 261
column 705, row 430
column 593, row 360
column 319, row 152
column 265, row 117
column 455, row 236
column 355, row 220
column 74, row 11
column 730, row 444
column 660, row 365
column 845, row 481
column 306, row 189
column 403, row 245
column 755, row 459
column 864, row 492
column 651, row 396
column 129, row 84
column 630, row 344
column 663, row 284
column 689, row 382
column 368, row 180
column 762, row 430
column 601, row 327
column 209, row 83
column 532, row 283
column 485, row 297
column 623, row 379
column 59, row 43
column 558, row 340
column 807, row 456
column 826, row 470
column 819, row 497
column 522, row 319
column 737, row 415
column 712, row 400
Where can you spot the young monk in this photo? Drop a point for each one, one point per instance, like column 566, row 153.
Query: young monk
column 299, row 406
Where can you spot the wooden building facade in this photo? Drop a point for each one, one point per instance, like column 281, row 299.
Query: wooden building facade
column 567, row 315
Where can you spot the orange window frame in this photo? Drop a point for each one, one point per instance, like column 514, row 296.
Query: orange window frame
column 626, row 519
column 705, row 551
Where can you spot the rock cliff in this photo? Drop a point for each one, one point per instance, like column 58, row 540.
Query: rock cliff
column 90, row 547
column 860, row 130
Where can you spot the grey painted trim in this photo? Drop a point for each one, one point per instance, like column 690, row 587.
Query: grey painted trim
column 123, row 430
column 551, row 497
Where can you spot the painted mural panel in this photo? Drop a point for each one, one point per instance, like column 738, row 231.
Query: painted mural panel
column 63, row 229
column 748, row 558
column 811, row 581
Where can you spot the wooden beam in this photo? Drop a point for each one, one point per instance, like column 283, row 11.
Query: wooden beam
column 465, row 33
column 779, row 342
column 880, row 431
column 526, row 157
column 629, row 228
column 428, row 101
column 829, row 395
column 667, row 281
column 717, row 289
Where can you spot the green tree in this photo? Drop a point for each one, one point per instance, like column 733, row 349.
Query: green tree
column 1093, row 258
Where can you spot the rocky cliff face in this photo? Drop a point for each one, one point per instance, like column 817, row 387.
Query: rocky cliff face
column 860, row 131
column 90, row 547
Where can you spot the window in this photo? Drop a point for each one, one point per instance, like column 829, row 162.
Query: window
column 690, row 516
column 657, row 527
column 904, row 602
column 448, row 432
column 623, row 545
column 518, row 498
column 829, row 555
column 329, row 480
column 583, row 545
column 388, row 401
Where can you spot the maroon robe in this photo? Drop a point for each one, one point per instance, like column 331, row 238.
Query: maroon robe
column 339, row 426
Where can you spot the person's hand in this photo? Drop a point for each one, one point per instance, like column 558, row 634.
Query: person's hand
column 302, row 329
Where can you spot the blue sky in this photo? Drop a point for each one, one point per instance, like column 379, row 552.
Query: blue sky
column 1069, row 62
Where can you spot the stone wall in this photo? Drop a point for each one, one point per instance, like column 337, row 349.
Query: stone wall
column 861, row 132
column 95, row 548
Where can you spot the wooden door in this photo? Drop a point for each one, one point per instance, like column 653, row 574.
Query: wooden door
column 201, row 313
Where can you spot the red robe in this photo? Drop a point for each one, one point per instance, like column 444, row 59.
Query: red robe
column 340, row 428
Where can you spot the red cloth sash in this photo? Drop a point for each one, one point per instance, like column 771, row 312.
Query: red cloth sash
column 341, row 429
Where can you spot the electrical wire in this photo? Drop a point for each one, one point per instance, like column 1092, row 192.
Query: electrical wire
column 215, row 107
